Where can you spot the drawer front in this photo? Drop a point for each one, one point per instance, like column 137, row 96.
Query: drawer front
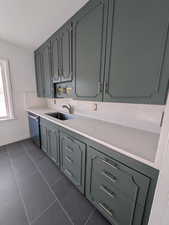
column 73, row 149
column 117, row 191
column 110, row 172
column 116, row 205
column 73, row 153
column 72, row 171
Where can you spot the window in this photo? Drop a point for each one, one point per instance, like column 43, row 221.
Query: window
column 6, row 106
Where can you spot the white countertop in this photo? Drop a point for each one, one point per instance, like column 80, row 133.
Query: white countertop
column 137, row 144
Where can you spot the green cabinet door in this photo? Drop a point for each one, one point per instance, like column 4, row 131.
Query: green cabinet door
column 66, row 52
column 50, row 139
column 72, row 156
column 39, row 74
column 44, row 138
column 53, row 144
column 46, row 69
column 56, row 57
column 117, row 191
column 137, row 52
column 89, row 37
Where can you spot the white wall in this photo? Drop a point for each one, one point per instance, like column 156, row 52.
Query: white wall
column 23, row 80
column 146, row 117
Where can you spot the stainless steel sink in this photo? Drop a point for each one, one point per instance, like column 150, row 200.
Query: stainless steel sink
column 61, row 116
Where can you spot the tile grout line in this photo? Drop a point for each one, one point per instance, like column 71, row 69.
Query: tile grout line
column 89, row 217
column 19, row 191
column 57, row 181
column 44, row 179
column 43, row 212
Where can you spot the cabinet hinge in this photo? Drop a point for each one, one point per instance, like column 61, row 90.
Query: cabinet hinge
column 162, row 119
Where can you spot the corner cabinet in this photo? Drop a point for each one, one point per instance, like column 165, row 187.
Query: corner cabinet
column 118, row 192
column 137, row 52
column 73, row 158
column 61, row 52
column 43, row 71
column 89, row 38
column 50, row 140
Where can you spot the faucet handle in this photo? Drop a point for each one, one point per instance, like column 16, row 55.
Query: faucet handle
column 68, row 107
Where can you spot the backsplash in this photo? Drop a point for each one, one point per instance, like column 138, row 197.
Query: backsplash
column 31, row 100
column 146, row 117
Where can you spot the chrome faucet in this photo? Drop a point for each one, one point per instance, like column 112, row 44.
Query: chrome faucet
column 68, row 107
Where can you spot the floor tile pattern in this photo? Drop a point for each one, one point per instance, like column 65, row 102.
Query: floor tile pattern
column 33, row 191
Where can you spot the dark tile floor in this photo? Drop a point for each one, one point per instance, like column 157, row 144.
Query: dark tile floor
column 33, row 191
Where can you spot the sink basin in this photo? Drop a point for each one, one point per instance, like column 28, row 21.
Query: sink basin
column 61, row 116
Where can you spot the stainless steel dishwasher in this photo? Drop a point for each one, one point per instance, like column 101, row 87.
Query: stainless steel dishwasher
column 34, row 127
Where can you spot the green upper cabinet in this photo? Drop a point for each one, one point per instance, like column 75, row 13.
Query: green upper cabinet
column 43, row 71
column 46, row 68
column 39, row 74
column 55, row 57
column 137, row 52
column 111, row 51
column 61, row 49
column 66, row 52
column 89, row 37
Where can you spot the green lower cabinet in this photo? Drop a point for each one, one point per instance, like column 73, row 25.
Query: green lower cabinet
column 117, row 191
column 121, row 188
column 72, row 156
column 50, row 140
column 44, row 137
column 53, row 145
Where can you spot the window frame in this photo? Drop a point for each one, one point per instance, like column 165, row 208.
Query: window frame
column 7, row 90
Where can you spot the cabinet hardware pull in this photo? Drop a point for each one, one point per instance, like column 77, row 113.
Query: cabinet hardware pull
column 107, row 88
column 108, row 163
column 102, row 205
column 109, row 176
column 33, row 117
column 68, row 159
column 70, row 139
column 107, row 191
column 68, row 172
column 99, row 88
column 58, row 72
column 69, row 149
column 108, row 211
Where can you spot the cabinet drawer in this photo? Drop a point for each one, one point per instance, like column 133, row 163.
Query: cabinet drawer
column 116, row 190
column 72, row 170
column 116, row 174
column 114, row 203
column 73, row 154
column 72, row 150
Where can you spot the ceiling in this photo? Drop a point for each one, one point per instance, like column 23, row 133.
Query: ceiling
column 29, row 23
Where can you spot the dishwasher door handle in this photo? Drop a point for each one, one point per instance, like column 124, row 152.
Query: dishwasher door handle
column 34, row 117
